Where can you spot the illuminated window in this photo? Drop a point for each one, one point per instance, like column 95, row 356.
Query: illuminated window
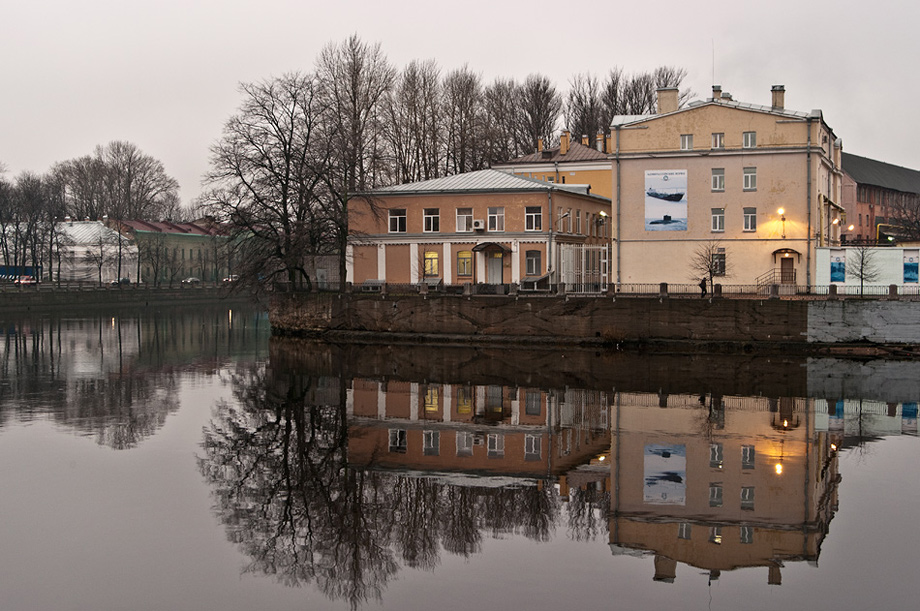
column 465, row 263
column 715, row 535
column 464, row 400
column 431, row 263
column 432, row 399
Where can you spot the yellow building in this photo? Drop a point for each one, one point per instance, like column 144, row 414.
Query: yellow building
column 751, row 190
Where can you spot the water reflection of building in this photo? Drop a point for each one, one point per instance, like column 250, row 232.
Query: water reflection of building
column 484, row 429
column 721, row 483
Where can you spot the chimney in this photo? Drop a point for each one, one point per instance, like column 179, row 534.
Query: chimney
column 726, row 96
column 779, row 96
column 599, row 141
column 667, row 100
column 717, row 92
column 539, row 145
column 584, row 140
column 564, row 142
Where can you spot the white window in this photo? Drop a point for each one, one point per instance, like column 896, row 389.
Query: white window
column 533, row 263
column 496, row 445
column 464, row 219
column 747, row 497
column 750, row 179
column 747, row 534
column 747, row 457
column 464, row 443
column 496, row 219
column 533, row 403
column 465, row 263
column 750, row 219
column 718, row 140
column 718, row 179
column 431, row 443
column 430, row 269
column 533, row 218
column 686, row 142
column 531, row 447
column 715, row 455
column 398, row 440
column 683, row 530
column 749, row 140
column 715, row 495
column 398, row 221
column 718, row 219
column 432, row 219
column 578, row 221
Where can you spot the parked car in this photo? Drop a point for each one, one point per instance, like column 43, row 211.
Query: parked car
column 121, row 281
column 25, row 281
column 191, row 280
column 231, row 278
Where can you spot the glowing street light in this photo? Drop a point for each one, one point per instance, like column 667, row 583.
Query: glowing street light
column 782, row 215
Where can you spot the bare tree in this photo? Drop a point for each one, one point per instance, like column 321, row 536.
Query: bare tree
column 501, row 108
column 461, row 112
column 584, row 109
column 540, row 109
column 862, row 263
column 710, row 260
column 412, row 128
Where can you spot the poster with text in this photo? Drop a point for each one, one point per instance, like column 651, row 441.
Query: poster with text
column 911, row 259
column 838, row 266
column 665, row 474
column 666, row 200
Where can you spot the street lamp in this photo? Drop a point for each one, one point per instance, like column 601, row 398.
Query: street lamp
column 782, row 216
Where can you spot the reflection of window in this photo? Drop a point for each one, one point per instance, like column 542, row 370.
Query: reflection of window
column 747, row 534
column 715, row 455
column 398, row 440
column 747, row 497
column 686, row 142
column 715, row 495
column 431, row 442
column 533, row 403
column 747, row 457
column 398, row 221
column 750, row 219
column 715, row 535
column 750, row 179
column 749, row 140
column 432, row 220
column 464, row 443
column 534, row 264
column 464, row 219
column 718, row 179
column 718, row 264
column 531, row 447
column 683, row 530
column 494, row 398
column 533, row 218
column 432, row 399
column 497, row 219
column 464, row 400
column 431, row 263
column 496, row 445
column 718, row 219
column 465, row 263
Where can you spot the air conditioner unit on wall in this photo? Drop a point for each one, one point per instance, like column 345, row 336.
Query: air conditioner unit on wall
column 479, row 224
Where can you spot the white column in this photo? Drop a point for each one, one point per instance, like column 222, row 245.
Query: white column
column 448, row 390
column 349, row 263
column 413, row 263
column 381, row 262
column 413, row 401
column 480, row 266
column 350, row 401
column 516, row 262
column 381, row 402
column 516, row 410
column 447, row 274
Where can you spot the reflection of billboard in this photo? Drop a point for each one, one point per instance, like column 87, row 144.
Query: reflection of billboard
column 911, row 258
column 666, row 200
column 838, row 266
column 665, row 474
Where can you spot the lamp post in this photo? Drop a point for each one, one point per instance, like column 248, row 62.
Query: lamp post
column 782, row 216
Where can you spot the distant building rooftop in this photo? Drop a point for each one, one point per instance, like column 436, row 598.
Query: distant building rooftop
column 576, row 152
column 880, row 174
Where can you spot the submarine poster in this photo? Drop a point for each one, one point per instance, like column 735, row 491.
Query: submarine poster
column 665, row 474
column 666, row 200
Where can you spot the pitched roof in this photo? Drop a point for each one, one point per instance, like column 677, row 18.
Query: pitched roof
column 576, row 152
column 482, row 181
column 880, row 174
column 782, row 112
column 173, row 228
column 87, row 232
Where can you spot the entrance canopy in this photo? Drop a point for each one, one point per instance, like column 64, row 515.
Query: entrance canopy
column 786, row 252
column 491, row 247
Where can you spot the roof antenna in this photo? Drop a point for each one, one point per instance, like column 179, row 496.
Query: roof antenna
column 713, row 60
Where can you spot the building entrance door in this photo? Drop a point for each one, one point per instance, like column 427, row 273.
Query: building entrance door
column 787, row 270
column 494, row 268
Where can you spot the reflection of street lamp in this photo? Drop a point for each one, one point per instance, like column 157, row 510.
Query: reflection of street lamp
column 782, row 216
column 878, row 232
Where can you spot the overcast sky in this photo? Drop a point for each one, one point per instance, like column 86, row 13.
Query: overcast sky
column 164, row 75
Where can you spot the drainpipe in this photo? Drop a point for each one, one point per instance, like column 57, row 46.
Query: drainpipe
column 549, row 245
column 808, row 249
column 556, row 170
column 617, row 238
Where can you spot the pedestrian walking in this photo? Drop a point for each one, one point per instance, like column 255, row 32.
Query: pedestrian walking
column 703, row 286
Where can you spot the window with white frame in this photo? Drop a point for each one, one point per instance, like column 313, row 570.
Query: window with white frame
column 750, row 219
column 686, row 142
column 531, row 447
column 464, row 442
column 496, row 218
column 747, row 497
column 495, row 443
column 747, row 457
column 533, row 218
column 398, row 440
column 746, row 534
column 465, row 263
column 750, row 179
column 431, row 443
column 464, row 220
column 718, row 264
column 718, row 140
column 684, row 530
column 718, row 219
column 718, row 179
column 715, row 494
column 533, row 403
column 432, row 220
column 578, row 221
column 533, row 263
column 715, row 455
column 398, row 221
column 431, row 264
column 749, row 140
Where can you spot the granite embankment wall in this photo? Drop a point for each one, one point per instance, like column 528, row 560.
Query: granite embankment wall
column 53, row 298
column 711, row 324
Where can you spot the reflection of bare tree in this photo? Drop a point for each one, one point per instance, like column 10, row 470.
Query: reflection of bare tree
column 587, row 518
column 278, row 463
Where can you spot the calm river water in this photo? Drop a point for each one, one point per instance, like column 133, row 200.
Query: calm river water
column 182, row 459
